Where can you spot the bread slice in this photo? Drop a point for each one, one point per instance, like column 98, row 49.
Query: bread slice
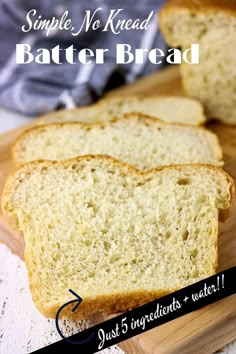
column 170, row 109
column 116, row 236
column 211, row 24
column 137, row 140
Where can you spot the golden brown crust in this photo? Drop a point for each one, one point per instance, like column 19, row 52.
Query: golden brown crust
column 109, row 304
column 228, row 6
column 87, row 126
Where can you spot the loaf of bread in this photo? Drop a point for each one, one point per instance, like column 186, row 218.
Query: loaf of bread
column 211, row 24
column 170, row 109
column 116, row 236
column 136, row 139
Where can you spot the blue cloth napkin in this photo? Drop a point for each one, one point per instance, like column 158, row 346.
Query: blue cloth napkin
column 34, row 89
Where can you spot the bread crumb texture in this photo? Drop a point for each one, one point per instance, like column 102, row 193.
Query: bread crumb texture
column 171, row 109
column 138, row 140
column 212, row 25
column 116, row 236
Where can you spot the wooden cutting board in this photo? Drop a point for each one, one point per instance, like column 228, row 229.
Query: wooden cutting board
column 203, row 331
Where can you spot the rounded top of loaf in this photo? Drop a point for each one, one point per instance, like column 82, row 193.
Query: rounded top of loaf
column 184, row 22
column 202, row 6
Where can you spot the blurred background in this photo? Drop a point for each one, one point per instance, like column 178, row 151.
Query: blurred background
column 30, row 90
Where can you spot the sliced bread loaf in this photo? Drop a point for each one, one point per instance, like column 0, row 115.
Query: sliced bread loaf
column 211, row 24
column 170, row 109
column 137, row 140
column 116, row 236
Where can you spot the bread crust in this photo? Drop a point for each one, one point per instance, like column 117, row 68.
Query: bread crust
column 130, row 116
column 112, row 304
column 98, row 106
column 200, row 6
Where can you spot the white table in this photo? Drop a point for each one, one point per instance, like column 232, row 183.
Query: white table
column 11, row 120
column 22, row 328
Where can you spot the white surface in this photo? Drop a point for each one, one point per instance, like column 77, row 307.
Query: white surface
column 22, row 328
column 11, row 120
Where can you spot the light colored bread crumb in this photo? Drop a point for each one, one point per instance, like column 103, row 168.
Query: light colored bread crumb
column 137, row 140
column 170, row 109
column 116, row 236
column 211, row 24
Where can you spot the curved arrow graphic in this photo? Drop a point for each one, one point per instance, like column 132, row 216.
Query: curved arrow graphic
column 78, row 301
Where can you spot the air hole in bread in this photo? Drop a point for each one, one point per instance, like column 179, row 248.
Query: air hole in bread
column 149, row 179
column 106, row 246
column 167, row 235
column 87, row 242
column 185, row 235
column 196, row 273
column 92, row 206
column 184, row 181
column 193, row 254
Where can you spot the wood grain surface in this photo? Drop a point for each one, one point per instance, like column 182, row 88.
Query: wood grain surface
column 203, row 331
